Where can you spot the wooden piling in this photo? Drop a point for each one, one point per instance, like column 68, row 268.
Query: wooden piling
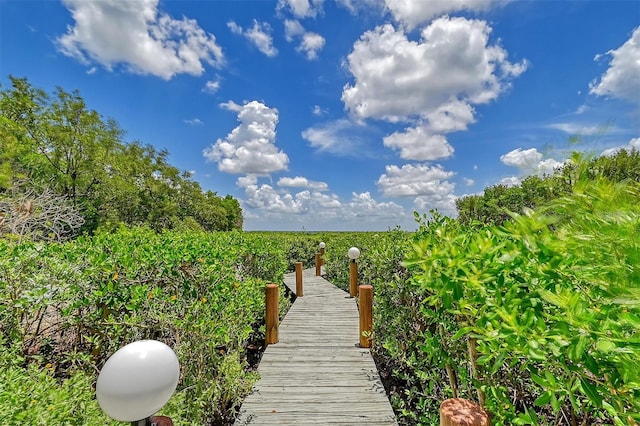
column 366, row 316
column 462, row 412
column 321, row 256
column 318, row 265
column 353, row 278
column 271, row 317
column 299, row 289
column 161, row 421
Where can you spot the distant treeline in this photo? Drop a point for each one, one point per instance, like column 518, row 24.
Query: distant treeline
column 65, row 169
column 497, row 202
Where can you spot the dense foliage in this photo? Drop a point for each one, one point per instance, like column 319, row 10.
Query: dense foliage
column 64, row 308
column 55, row 144
column 497, row 202
column 538, row 319
column 528, row 302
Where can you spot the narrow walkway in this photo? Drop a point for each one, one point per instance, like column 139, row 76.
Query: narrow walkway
column 316, row 375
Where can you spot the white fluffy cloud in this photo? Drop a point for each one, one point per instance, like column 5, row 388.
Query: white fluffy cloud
column 411, row 13
column 310, row 43
column 520, row 158
column 445, row 202
column 292, row 29
column 397, row 78
column 137, row 35
column 510, row 181
column 364, row 206
column 267, row 199
column 432, row 83
column 211, row 86
column 530, row 161
column 270, row 200
column 259, row 35
column 301, row 8
column 359, row 6
column 418, row 143
column 314, row 205
column 412, row 180
column 622, row 78
column 302, row 182
column 249, row 148
column 428, row 185
column 633, row 144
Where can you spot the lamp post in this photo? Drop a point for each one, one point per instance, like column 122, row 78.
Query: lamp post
column 137, row 381
column 353, row 253
column 320, row 258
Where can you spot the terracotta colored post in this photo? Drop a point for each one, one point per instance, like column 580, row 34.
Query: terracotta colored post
column 321, row 256
column 299, row 290
column 318, row 265
column 271, row 317
column 353, row 278
column 366, row 315
column 161, row 421
column 462, row 412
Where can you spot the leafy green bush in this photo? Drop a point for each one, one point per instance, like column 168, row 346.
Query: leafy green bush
column 71, row 305
column 34, row 396
column 540, row 317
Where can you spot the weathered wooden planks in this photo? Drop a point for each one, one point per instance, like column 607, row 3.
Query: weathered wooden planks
column 317, row 374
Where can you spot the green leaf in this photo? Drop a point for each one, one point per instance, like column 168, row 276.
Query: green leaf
column 604, row 345
column 542, row 399
column 591, row 391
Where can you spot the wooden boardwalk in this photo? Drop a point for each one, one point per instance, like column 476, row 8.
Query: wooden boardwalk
column 316, row 375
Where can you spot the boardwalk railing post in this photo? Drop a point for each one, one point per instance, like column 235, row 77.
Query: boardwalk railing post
column 458, row 412
column 366, row 315
column 322, row 246
column 299, row 290
column 353, row 278
column 271, row 317
column 318, row 264
column 353, row 254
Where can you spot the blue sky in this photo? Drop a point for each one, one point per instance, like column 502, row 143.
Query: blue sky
column 343, row 114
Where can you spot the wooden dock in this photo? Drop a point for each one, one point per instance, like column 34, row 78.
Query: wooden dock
column 316, row 374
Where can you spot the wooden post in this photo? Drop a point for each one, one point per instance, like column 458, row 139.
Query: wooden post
column 161, row 421
column 318, row 265
column 462, row 412
column 366, row 315
column 271, row 317
column 321, row 256
column 353, row 278
column 299, row 290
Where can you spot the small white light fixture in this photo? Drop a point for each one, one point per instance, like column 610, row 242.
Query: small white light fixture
column 322, row 245
column 138, row 380
column 353, row 253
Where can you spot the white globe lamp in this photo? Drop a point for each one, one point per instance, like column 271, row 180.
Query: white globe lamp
column 353, row 253
column 138, row 380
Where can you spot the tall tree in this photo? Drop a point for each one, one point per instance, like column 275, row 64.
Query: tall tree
column 57, row 143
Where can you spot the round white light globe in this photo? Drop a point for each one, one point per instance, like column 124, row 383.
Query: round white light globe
column 353, row 253
column 322, row 245
column 137, row 380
